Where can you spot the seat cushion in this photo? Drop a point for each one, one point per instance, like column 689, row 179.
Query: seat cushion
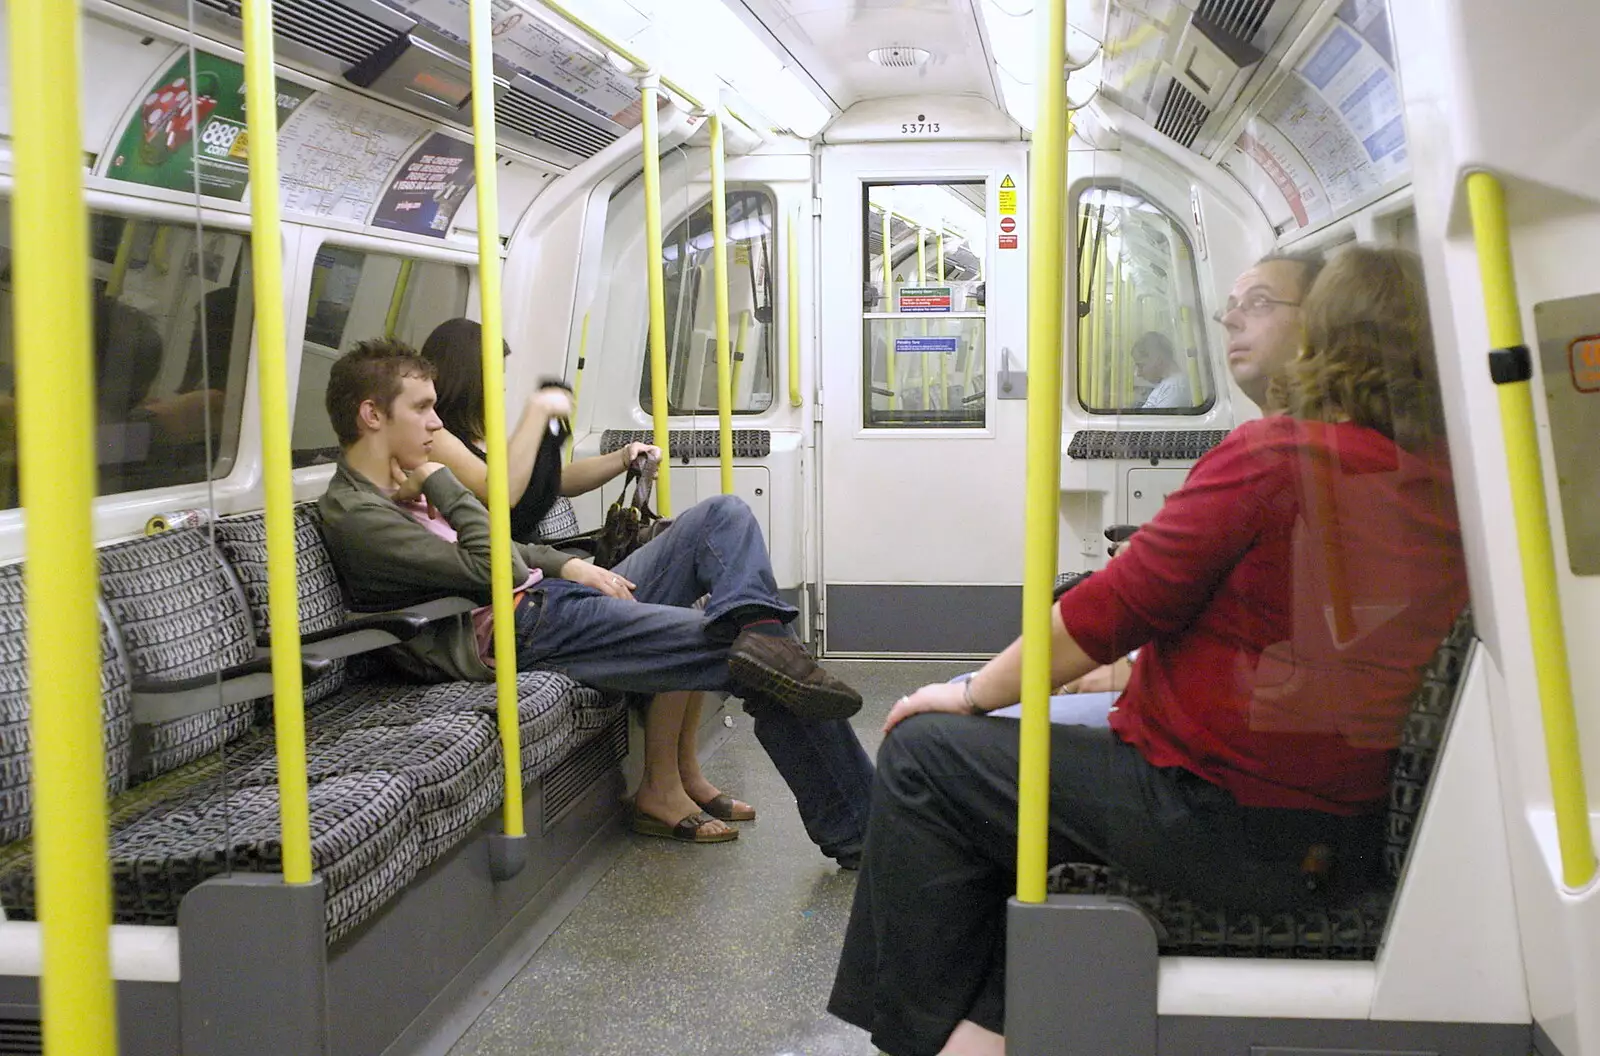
column 450, row 761
column 16, row 753
column 179, row 831
column 559, row 522
column 1350, row 932
column 596, row 709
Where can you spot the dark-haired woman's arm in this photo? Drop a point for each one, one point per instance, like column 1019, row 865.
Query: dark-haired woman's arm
column 586, row 474
column 522, row 447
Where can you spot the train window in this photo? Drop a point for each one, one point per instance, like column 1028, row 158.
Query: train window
column 923, row 306
column 691, row 310
column 171, row 333
column 1141, row 343
column 355, row 296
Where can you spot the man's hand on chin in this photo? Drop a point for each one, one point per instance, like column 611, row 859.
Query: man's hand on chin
column 409, row 482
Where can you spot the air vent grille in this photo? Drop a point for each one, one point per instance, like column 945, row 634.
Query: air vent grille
column 534, row 117
column 574, row 776
column 329, row 28
column 1242, row 19
column 21, row 1037
column 1181, row 115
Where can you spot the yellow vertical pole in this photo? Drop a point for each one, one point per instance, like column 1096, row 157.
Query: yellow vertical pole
column 283, row 604
column 889, row 306
column 1511, row 366
column 494, row 413
column 1190, row 353
column 1046, row 251
column 55, row 396
column 922, row 256
column 577, row 378
column 719, row 262
column 795, row 397
column 397, row 299
column 940, row 250
column 649, row 90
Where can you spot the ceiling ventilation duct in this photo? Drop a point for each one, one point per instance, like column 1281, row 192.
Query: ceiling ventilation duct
column 385, row 51
column 1217, row 47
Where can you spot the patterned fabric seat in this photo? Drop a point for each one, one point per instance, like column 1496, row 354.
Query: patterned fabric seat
column 16, row 759
column 196, row 823
column 1350, row 932
column 243, row 541
column 179, row 613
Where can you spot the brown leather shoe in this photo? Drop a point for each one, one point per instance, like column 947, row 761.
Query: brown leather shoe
column 778, row 668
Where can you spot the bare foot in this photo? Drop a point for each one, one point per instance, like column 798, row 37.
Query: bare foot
column 969, row 1039
column 672, row 806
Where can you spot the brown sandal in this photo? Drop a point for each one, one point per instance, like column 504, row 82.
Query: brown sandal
column 724, row 807
column 687, row 830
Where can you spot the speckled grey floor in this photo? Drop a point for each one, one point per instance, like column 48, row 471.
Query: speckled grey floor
column 720, row 950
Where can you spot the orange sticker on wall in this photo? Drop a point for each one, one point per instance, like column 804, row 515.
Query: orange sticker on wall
column 1583, row 357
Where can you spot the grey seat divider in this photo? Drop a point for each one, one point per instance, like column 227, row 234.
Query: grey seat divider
column 1100, row 1000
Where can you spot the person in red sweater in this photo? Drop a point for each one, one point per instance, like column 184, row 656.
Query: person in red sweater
column 1284, row 603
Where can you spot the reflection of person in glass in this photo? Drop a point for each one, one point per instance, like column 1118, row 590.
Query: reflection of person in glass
column 1155, row 361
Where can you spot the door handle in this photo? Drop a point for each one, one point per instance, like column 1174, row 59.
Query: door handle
column 1013, row 384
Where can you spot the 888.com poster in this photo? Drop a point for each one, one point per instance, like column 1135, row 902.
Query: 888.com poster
column 159, row 145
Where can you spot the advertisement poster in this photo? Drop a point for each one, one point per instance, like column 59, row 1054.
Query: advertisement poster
column 159, row 145
column 429, row 188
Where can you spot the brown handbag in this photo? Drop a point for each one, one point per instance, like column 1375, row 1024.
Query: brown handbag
column 629, row 523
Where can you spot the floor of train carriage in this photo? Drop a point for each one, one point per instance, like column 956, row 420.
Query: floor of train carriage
column 712, row 950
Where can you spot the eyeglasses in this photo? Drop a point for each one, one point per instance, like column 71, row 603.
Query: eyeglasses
column 1255, row 305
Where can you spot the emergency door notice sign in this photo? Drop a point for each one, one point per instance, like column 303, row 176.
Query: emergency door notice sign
column 1008, row 232
column 925, row 299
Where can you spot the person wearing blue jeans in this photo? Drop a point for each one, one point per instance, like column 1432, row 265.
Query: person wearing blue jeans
column 402, row 529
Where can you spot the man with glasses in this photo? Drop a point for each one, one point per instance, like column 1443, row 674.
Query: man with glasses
column 1262, row 317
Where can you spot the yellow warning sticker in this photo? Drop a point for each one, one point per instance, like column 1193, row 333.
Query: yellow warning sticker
column 1008, row 197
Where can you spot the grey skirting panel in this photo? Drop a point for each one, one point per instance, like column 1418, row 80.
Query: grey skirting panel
column 692, row 443
column 1208, row 1036
column 915, row 619
column 1172, row 444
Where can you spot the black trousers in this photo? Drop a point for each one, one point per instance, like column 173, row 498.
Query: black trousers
column 925, row 946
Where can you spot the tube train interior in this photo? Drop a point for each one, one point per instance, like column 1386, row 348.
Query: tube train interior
column 942, row 321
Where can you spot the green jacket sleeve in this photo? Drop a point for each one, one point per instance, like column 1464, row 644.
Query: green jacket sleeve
column 456, row 503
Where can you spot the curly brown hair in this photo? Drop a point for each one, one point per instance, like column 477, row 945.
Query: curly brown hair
column 1368, row 354
column 372, row 370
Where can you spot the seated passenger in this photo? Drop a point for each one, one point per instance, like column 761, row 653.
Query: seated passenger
column 629, row 629
column 535, row 476
column 1284, row 603
column 534, row 472
column 1156, row 362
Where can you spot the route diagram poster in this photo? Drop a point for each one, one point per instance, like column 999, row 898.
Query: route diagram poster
column 540, row 52
column 1332, row 134
column 338, row 153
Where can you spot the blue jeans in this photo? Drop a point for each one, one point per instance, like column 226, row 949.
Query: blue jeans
column 658, row 643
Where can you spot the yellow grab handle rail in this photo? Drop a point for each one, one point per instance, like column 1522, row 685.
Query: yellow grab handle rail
column 795, row 396
column 56, row 453
column 655, row 278
column 577, row 379
column 494, row 413
column 1046, row 251
column 738, row 348
column 272, row 378
column 719, row 268
column 1511, row 366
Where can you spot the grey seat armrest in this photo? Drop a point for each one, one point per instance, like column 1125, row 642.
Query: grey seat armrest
column 364, row 632
column 156, row 702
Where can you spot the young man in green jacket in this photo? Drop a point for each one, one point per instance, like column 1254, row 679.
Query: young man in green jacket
column 403, row 530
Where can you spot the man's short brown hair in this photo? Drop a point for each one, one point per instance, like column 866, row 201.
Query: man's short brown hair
column 373, row 370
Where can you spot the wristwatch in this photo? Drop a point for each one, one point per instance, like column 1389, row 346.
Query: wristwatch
column 966, row 698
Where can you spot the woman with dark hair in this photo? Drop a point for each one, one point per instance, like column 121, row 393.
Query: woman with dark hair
column 534, row 473
column 1284, row 603
column 675, row 799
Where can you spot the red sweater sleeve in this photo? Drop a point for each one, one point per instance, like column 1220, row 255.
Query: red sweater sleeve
column 1167, row 573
